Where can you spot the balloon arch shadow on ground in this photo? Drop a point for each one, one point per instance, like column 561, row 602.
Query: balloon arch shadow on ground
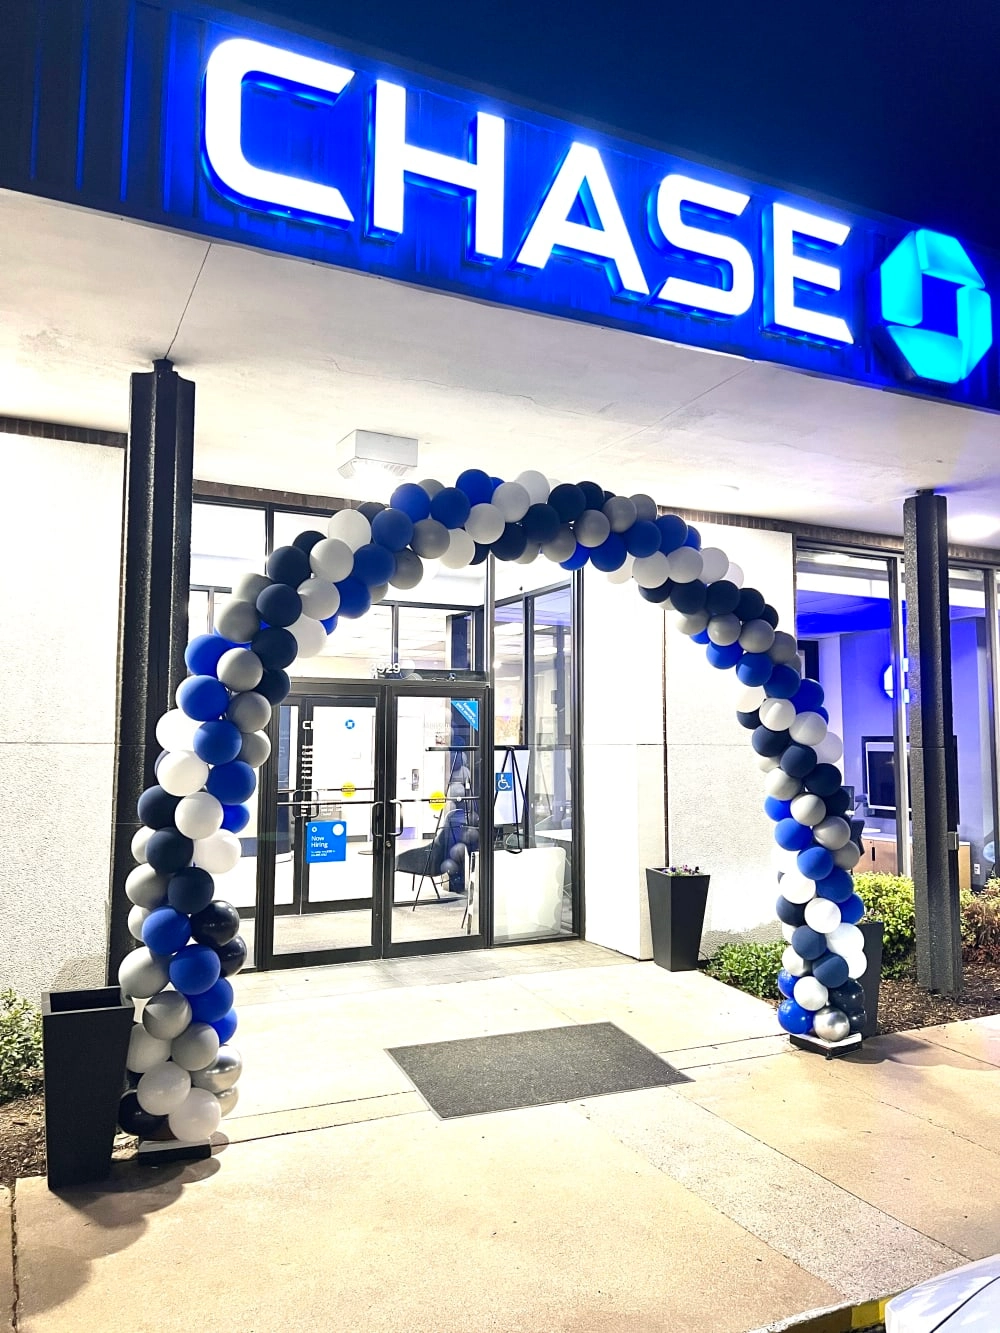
column 183, row 1069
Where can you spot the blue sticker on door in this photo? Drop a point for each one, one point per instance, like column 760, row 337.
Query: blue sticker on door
column 326, row 840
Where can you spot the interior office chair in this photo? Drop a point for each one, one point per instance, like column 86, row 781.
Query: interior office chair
column 426, row 861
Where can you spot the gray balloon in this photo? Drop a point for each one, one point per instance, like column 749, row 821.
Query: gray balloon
column 238, row 621
column 591, row 528
column 562, row 545
column 255, row 750
column 529, row 555
column 378, row 593
column 409, row 570
column 784, row 649
column 620, row 513
column 430, row 538
column 645, row 506
column 757, row 636
column 227, row 1099
column 222, row 1073
column 250, row 711
column 248, row 587
column 431, row 486
column 240, row 669
column 145, row 887
column 831, row 1024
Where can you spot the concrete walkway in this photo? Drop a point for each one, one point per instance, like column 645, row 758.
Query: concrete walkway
column 772, row 1183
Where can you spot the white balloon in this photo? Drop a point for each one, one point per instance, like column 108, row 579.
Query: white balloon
column 320, row 599
column 250, row 711
column 310, row 635
column 256, row 748
column 199, row 815
column 767, row 763
column 249, row 585
column 796, row 888
column 181, row 772
column 724, row 630
column 822, row 915
column 218, row 853
column 196, row 1047
column 175, row 730
column 848, row 856
column 166, row 1015
column 163, row 1088
column 332, row 560
column 536, row 484
column 692, row 624
column 784, row 649
column 146, row 888
column 650, row 571
column 684, row 564
column 621, row 575
column 196, row 1118
column 787, row 932
column 808, row 728
column 138, row 845
column 142, row 974
column 833, row 833
column 830, row 748
column 461, row 548
column 810, row 993
column 734, row 574
column 857, row 965
column 749, row 698
column 513, row 501
column 777, row 713
column 793, row 963
column 485, row 523
column 137, row 915
column 846, row 940
column 757, row 636
column 714, row 564
column 781, row 786
column 145, row 1051
column 350, row 527
column 239, row 669
column 808, row 810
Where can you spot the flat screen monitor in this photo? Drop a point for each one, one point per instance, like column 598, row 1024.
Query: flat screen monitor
column 879, row 760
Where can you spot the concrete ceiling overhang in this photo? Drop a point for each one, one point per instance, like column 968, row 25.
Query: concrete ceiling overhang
column 288, row 357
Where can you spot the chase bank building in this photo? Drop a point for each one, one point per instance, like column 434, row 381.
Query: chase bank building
column 271, row 309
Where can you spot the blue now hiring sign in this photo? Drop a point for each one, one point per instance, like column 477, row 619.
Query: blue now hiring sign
column 239, row 130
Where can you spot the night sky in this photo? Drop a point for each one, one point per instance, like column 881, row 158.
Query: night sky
column 892, row 105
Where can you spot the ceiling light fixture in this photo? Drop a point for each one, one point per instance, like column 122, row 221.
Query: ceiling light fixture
column 972, row 527
column 368, row 452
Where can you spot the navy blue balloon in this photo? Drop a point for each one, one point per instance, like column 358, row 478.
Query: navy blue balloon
column 568, row 501
column 451, row 507
column 656, row 595
column 167, row 851
column 798, row 761
column 413, row 500
column 393, row 529
column 482, row 551
column 610, row 555
column 373, row 565
column 216, row 924
column 156, row 808
column 235, row 818
column 274, row 685
column 279, row 605
column 226, row 1026
column 673, row 532
column 511, row 543
column 305, row 541
column 794, row 1019
column 723, row 656
column 689, row 598
column 837, row 886
column 202, row 698
column 369, row 509
column 693, row 537
column 783, row 682
column 288, row 564
column 814, row 863
column 541, row 523
column 838, row 802
column 749, row 720
column 194, row 970
column 848, row 997
column 190, row 889
column 134, row 1120
column 770, row 615
column 578, row 559
column 831, row 970
column 786, row 984
column 823, row 780
column 217, row 742
column 232, row 956
column 233, row 783
column 212, row 1004
column 165, row 931
column 852, row 909
column 593, row 495
column 642, row 538
column 754, row 669
column 201, row 656
column 770, row 743
column 808, row 943
column 355, row 599
column 751, row 605
column 722, row 598
column 775, row 809
column 791, row 835
column 275, row 647
column 790, row 914
column 808, row 697
column 476, row 485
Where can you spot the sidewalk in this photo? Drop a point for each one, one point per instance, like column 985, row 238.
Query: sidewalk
column 772, row 1183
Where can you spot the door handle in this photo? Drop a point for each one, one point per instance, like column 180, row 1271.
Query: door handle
column 376, row 821
column 399, row 818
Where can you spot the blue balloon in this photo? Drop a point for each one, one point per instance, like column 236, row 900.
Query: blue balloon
column 279, row 605
column 838, row 886
column 165, row 931
column 824, row 713
column 235, row 818
column 688, row 598
column 329, row 624
column 373, row 565
column 702, row 638
column 814, row 863
column 721, row 598
column 202, row 698
column 194, row 970
column 190, row 890
column 476, row 485
column 798, row 761
column 673, row 532
column 355, row 599
column 723, row 656
column 642, row 538
column 568, row 501
column 393, row 529
column 413, row 500
column 786, row 983
column 288, row 564
column 794, row 1019
column 852, row 909
column 232, row 783
column 226, row 1026
column 156, row 808
column 791, row 914
column 775, row 809
column 831, row 969
column 792, row 836
column 769, row 743
column 274, row 685
column 217, row 742
column 693, row 537
column 610, row 555
column 754, row 669
column 201, row 656
column 451, row 507
column 275, row 647
column 578, row 559
column 210, row 1005
column 541, row 523
column 783, row 682
column 808, row 943
column 808, row 697
column 512, row 543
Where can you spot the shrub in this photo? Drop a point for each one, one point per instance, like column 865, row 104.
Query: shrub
column 981, row 921
column 749, row 966
column 20, row 1046
column 889, row 899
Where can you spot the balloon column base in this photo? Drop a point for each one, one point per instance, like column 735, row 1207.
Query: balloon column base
column 153, row 1152
column 830, row 1049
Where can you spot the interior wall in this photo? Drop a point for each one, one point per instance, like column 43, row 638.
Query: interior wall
column 715, row 791
column 60, row 538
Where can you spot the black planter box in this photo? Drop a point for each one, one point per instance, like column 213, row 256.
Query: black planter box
column 676, row 917
column 872, row 931
column 85, row 1036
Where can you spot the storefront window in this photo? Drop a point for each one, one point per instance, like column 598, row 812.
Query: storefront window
column 225, row 540
column 970, row 682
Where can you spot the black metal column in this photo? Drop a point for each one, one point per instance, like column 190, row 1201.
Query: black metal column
column 933, row 768
column 153, row 610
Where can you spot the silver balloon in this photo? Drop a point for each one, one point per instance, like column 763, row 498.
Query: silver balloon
column 784, row 649
column 256, row 748
column 592, row 528
column 222, row 1073
column 166, row 1015
column 240, row 669
column 848, row 856
column 248, row 587
column 250, row 711
column 645, row 506
column 430, row 538
column 724, row 630
column 432, row 487
column 562, row 545
column 409, row 570
column 145, row 887
column 831, row 1025
column 529, row 555
column 238, row 621
column 378, row 593
column 620, row 513
column 757, row 636
column 228, row 1098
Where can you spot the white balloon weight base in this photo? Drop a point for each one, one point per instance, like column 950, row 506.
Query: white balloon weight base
column 155, row 1152
column 831, row 1049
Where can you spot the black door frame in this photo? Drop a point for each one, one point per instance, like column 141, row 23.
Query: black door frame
column 383, row 694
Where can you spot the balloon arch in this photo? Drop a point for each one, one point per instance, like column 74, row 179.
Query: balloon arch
column 183, row 1069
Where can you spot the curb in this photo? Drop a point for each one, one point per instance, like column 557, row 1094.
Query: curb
column 833, row 1319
